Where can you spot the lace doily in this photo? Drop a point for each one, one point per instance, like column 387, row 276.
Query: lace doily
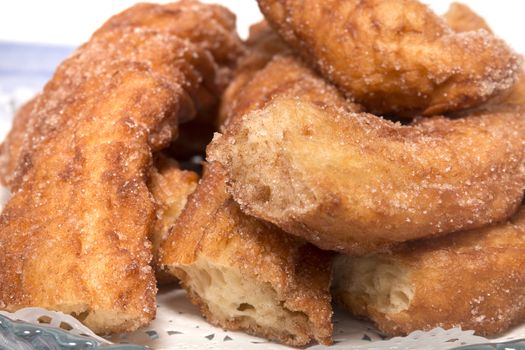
column 39, row 316
column 179, row 326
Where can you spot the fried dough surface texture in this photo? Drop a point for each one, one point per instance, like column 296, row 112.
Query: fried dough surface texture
column 276, row 288
column 12, row 146
column 461, row 19
column 262, row 45
column 245, row 274
column 473, row 280
column 395, row 57
column 513, row 103
column 73, row 236
column 203, row 54
column 170, row 187
column 356, row 183
column 284, row 75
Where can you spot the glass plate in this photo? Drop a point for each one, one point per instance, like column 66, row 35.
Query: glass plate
column 21, row 335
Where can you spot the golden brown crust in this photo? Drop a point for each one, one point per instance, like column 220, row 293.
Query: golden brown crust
column 73, row 237
column 12, row 146
column 395, row 57
column 513, row 103
column 212, row 237
column 212, row 228
column 262, row 45
column 170, row 187
column 285, row 76
column 204, row 59
column 215, row 34
column 225, row 48
column 461, row 19
column 474, row 280
column 354, row 182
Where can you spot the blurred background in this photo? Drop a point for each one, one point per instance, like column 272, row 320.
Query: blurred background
column 37, row 35
column 72, row 22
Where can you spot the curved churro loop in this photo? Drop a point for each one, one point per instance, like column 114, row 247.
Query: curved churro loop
column 80, row 202
column 395, row 57
column 474, row 280
column 356, row 183
column 205, row 58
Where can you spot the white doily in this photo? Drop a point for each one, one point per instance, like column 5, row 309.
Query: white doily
column 179, row 326
column 39, row 316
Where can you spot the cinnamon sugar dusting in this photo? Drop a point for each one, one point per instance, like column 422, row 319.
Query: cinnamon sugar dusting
column 80, row 155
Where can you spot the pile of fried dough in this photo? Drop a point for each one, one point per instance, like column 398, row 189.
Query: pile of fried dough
column 367, row 150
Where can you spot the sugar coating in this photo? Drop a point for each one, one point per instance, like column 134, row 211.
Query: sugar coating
column 170, row 187
column 461, row 18
column 302, row 156
column 395, row 57
column 74, row 234
column 473, row 280
column 356, row 183
column 246, row 274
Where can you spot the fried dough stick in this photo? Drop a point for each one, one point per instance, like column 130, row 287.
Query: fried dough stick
column 245, row 274
column 462, row 19
column 395, row 57
column 356, row 183
column 474, row 280
column 170, row 187
column 214, row 49
column 264, row 43
column 73, row 236
column 469, row 280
